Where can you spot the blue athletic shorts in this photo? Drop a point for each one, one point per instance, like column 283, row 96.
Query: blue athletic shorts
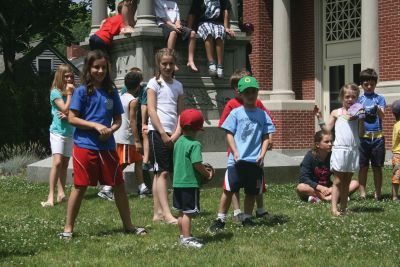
column 247, row 175
column 372, row 150
column 187, row 200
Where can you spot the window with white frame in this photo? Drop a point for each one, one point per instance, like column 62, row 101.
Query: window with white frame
column 342, row 20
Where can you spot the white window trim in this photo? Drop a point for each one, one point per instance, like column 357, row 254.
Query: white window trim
column 41, row 57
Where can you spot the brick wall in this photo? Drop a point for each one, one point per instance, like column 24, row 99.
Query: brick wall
column 294, row 129
column 302, row 35
column 259, row 12
column 389, row 40
column 75, row 51
column 388, row 123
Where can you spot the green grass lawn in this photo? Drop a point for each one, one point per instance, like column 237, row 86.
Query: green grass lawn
column 302, row 234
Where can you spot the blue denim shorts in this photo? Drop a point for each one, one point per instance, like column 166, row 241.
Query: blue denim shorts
column 372, row 150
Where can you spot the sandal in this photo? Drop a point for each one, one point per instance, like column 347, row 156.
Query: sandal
column 65, row 235
column 46, row 204
column 137, row 231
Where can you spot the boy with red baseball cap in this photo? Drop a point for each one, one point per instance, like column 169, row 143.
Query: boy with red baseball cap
column 188, row 169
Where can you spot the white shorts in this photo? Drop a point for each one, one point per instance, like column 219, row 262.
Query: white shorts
column 61, row 144
column 345, row 159
column 208, row 28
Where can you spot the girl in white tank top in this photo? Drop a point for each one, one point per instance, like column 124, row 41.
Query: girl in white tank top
column 345, row 153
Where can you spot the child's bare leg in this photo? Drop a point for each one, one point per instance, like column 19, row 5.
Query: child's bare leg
column 139, row 172
column 53, row 176
column 249, row 204
column 225, row 202
column 63, row 179
column 122, row 203
column 353, row 186
column 180, row 222
column 235, row 201
column 260, row 201
column 157, row 211
column 172, row 39
column 220, row 50
column 362, row 179
column 209, row 45
column 74, row 203
column 186, row 224
column 146, row 148
column 162, row 192
column 191, row 51
column 337, row 180
column 377, row 181
column 395, row 191
column 344, row 191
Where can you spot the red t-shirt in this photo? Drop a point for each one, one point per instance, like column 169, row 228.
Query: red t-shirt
column 235, row 103
column 111, row 27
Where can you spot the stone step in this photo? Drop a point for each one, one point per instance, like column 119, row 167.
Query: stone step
column 278, row 168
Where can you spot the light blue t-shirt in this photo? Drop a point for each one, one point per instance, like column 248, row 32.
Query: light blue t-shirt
column 248, row 127
column 99, row 107
column 59, row 126
column 372, row 121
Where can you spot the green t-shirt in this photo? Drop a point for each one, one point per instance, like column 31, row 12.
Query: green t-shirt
column 186, row 152
column 59, row 126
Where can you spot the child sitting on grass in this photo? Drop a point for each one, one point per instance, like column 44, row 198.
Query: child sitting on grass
column 188, row 169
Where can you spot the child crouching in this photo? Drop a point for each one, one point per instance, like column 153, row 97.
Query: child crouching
column 188, row 169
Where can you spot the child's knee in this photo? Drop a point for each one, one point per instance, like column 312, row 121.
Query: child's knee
column 192, row 34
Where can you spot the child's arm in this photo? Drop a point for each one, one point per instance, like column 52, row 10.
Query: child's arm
column 59, row 102
column 202, row 170
column 232, row 145
column 178, row 130
column 361, row 128
column 75, row 120
column 145, row 118
column 227, row 25
column 133, row 124
column 328, row 126
column 264, row 148
column 155, row 120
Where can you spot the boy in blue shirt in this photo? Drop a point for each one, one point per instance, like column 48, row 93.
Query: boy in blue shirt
column 372, row 144
column 247, row 130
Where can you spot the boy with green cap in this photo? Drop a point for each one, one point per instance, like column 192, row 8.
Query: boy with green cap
column 247, row 130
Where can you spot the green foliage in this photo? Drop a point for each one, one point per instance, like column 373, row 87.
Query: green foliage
column 302, row 234
column 25, row 20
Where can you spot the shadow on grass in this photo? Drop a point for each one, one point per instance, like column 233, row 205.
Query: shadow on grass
column 6, row 254
column 367, row 209
column 274, row 219
column 217, row 237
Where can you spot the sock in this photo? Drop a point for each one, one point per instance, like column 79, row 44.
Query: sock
column 221, row 216
column 142, row 186
column 260, row 210
column 236, row 212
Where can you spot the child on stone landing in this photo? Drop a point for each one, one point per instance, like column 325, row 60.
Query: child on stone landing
column 212, row 17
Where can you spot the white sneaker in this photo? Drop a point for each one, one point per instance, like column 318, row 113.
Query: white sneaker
column 144, row 192
column 313, row 199
column 191, row 242
column 212, row 69
column 220, row 71
column 107, row 195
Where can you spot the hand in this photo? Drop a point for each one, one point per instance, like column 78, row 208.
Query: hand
column 138, row 146
column 175, row 137
column 178, row 25
column 324, row 190
column 260, row 160
column 61, row 115
column 108, row 133
column 167, row 140
column 317, row 112
column 270, row 146
column 235, row 156
column 69, row 88
column 145, row 129
column 230, row 32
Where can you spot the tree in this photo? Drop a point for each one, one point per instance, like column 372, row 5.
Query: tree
column 26, row 20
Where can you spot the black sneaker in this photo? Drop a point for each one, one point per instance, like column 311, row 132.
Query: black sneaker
column 248, row 223
column 263, row 215
column 216, row 226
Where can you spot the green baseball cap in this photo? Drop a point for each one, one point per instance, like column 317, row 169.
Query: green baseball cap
column 247, row 82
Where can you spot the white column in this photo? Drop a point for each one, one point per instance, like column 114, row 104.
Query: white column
column 369, row 34
column 282, row 57
column 234, row 16
column 145, row 14
column 99, row 12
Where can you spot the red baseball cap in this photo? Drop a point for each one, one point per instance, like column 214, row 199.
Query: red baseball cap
column 192, row 119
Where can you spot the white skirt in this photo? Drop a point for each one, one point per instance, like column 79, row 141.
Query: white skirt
column 345, row 159
column 61, row 144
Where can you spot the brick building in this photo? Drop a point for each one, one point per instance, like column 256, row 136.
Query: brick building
column 305, row 50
